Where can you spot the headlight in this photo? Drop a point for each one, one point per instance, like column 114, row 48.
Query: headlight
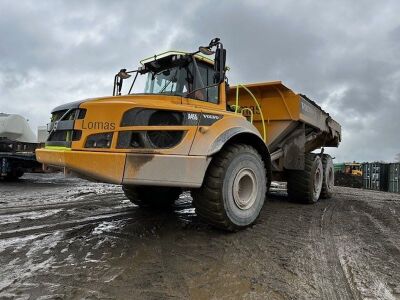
column 99, row 140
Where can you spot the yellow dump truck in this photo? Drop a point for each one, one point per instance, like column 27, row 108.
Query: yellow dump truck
column 188, row 129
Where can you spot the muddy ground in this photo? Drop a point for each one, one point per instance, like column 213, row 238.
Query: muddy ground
column 69, row 238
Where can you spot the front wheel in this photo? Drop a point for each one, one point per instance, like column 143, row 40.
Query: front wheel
column 14, row 175
column 234, row 188
column 155, row 197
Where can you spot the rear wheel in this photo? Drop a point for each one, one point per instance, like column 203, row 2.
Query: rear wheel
column 328, row 181
column 152, row 196
column 234, row 188
column 305, row 186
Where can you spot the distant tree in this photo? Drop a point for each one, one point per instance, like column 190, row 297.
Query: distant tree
column 397, row 157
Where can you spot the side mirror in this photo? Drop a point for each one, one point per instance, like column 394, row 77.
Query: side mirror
column 206, row 51
column 118, row 79
column 219, row 65
column 123, row 74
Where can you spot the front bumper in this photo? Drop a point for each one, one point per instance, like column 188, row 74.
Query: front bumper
column 130, row 168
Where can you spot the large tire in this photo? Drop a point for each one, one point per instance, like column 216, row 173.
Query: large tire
column 234, row 188
column 156, row 197
column 14, row 175
column 305, row 186
column 328, row 181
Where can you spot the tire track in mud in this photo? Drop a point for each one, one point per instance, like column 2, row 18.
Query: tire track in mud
column 328, row 272
column 369, row 251
column 66, row 224
column 101, row 246
column 91, row 209
column 104, row 199
column 175, row 284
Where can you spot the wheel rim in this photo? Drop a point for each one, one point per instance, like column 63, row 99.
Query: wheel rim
column 245, row 188
column 318, row 177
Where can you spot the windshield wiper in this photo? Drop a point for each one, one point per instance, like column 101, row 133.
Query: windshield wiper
column 167, row 84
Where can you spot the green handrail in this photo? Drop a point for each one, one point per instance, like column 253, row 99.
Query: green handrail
column 256, row 102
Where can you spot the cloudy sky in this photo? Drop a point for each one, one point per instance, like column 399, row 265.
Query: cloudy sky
column 342, row 54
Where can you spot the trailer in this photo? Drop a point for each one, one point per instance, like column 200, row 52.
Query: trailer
column 17, row 147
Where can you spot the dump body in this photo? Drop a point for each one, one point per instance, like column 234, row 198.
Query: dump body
column 284, row 110
column 293, row 123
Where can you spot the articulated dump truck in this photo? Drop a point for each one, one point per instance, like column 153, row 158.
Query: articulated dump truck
column 190, row 130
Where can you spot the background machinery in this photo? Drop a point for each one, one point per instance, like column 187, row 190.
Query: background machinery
column 17, row 147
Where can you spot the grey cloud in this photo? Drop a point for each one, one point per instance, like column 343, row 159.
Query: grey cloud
column 341, row 54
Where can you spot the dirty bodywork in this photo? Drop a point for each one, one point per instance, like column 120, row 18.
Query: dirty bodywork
column 130, row 155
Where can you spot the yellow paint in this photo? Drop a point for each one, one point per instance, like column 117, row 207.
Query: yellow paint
column 102, row 166
column 264, row 133
column 273, row 108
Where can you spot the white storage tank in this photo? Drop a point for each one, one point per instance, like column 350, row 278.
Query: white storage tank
column 16, row 128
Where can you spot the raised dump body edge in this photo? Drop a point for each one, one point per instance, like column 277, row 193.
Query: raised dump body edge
column 284, row 111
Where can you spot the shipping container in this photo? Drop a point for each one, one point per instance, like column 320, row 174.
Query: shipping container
column 394, row 177
column 339, row 167
column 375, row 176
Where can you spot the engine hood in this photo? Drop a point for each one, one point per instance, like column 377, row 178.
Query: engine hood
column 127, row 99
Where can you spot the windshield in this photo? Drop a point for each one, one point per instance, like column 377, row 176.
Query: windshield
column 171, row 81
column 176, row 76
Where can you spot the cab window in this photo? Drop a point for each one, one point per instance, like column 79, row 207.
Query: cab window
column 205, row 79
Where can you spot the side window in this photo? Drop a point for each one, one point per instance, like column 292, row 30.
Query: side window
column 206, row 78
column 212, row 92
column 200, row 83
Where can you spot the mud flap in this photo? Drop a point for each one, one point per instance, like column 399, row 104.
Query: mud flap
column 294, row 150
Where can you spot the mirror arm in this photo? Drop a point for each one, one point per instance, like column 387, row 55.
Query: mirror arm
column 119, row 84
column 222, row 59
column 115, row 85
column 133, row 82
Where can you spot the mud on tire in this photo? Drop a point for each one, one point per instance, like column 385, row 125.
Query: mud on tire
column 328, row 181
column 234, row 188
column 152, row 196
column 305, row 186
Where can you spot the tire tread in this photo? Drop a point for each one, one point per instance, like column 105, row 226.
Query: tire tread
column 208, row 199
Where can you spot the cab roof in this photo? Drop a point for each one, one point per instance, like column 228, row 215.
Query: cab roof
column 170, row 53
